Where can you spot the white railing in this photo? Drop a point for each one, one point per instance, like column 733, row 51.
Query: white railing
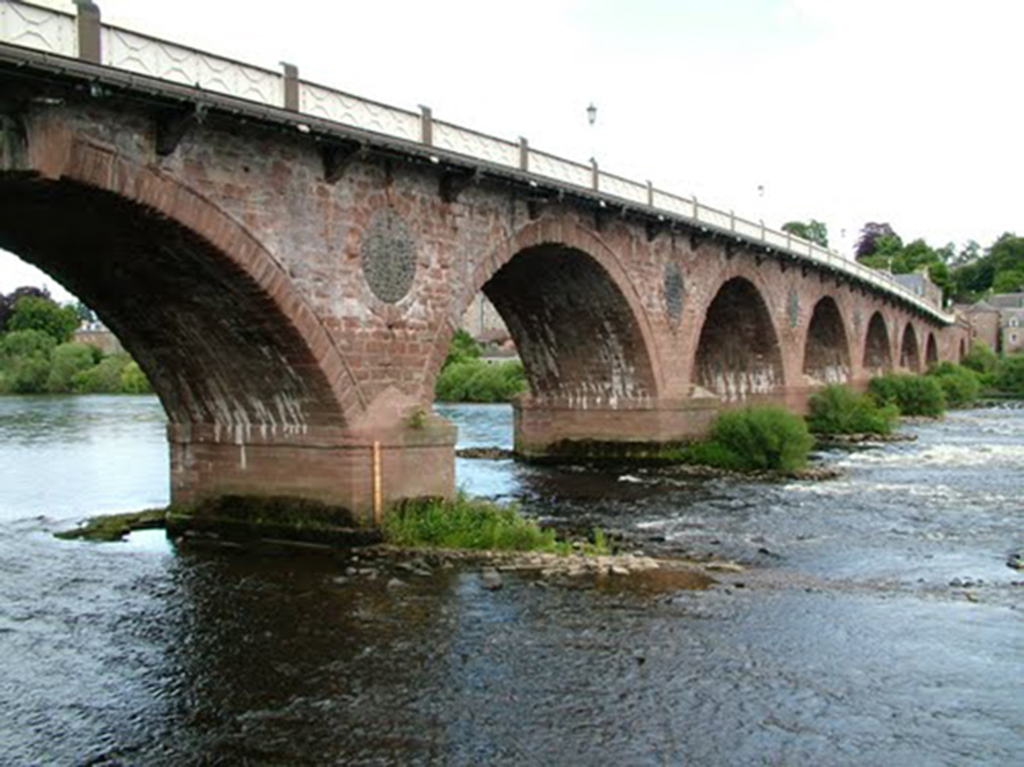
column 50, row 26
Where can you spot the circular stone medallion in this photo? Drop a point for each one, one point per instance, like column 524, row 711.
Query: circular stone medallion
column 388, row 256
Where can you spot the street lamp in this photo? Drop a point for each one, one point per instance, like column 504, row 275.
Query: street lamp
column 592, row 118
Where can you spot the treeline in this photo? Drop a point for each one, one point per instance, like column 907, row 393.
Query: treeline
column 964, row 275
column 37, row 355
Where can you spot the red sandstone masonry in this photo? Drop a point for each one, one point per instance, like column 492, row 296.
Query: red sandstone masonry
column 259, row 200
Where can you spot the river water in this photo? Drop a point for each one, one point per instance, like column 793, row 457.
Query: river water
column 877, row 622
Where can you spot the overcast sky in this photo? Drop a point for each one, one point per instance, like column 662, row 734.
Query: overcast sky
column 847, row 111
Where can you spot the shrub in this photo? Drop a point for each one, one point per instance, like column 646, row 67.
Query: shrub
column 981, row 358
column 465, row 523
column 755, row 439
column 26, row 375
column 1009, row 376
column 27, row 343
column 134, row 381
column 960, row 385
column 463, row 349
column 67, row 360
column 912, row 394
column 104, row 378
column 838, row 410
column 478, row 381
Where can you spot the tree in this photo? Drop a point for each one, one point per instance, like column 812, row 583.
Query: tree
column 812, row 231
column 36, row 313
column 868, row 244
column 7, row 302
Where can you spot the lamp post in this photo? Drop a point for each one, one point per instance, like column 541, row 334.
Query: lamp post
column 591, row 119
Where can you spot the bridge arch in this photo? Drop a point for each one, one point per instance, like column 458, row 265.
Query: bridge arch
column 826, row 349
column 910, row 355
column 738, row 354
column 877, row 348
column 203, row 307
column 576, row 320
column 961, row 351
column 931, row 354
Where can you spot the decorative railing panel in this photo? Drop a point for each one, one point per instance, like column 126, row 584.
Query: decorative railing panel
column 560, row 170
column 748, row 229
column 714, row 217
column 623, row 188
column 42, row 29
column 462, row 141
column 341, row 107
column 165, row 61
column 670, row 203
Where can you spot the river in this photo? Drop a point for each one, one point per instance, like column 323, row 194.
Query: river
column 877, row 622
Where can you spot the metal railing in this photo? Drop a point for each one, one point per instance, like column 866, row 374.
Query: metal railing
column 50, row 26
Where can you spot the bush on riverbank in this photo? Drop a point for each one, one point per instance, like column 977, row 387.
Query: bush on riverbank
column 960, row 385
column 467, row 523
column 1009, row 374
column 837, row 409
column 754, row 439
column 465, row 377
column 480, row 381
column 914, row 395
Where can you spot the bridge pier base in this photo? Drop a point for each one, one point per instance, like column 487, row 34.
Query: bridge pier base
column 331, row 465
column 547, row 431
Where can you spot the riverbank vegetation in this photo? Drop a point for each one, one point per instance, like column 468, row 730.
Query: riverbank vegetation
column 753, row 439
column 37, row 355
column 467, row 523
column 838, row 409
column 465, row 377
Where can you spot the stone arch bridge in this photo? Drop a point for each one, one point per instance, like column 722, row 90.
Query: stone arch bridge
column 288, row 264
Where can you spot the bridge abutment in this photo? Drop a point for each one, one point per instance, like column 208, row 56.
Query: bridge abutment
column 357, row 470
column 563, row 431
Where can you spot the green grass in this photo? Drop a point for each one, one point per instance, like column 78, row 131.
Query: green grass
column 838, row 410
column 476, row 524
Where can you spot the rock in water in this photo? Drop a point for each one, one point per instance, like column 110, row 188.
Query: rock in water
column 1016, row 561
column 491, row 579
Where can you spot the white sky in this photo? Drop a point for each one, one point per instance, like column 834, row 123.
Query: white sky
column 847, row 111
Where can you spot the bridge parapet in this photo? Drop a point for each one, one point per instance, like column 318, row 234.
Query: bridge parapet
column 49, row 27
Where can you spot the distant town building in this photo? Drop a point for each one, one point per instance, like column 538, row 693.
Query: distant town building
column 998, row 321
column 483, row 322
column 96, row 334
column 921, row 286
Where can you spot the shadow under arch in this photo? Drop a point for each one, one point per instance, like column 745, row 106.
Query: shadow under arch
column 910, row 356
column 931, row 354
column 877, row 349
column 206, row 311
column 826, row 349
column 738, row 355
column 579, row 338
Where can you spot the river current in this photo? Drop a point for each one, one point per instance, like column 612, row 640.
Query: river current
column 877, row 622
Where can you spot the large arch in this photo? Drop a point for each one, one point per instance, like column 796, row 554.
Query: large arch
column 738, row 355
column 877, row 349
column 826, row 350
column 580, row 341
column 207, row 312
column 910, row 355
column 931, row 354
